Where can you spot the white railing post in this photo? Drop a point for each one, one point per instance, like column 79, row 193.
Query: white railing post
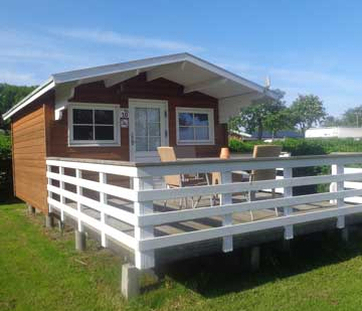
column 62, row 187
column 103, row 201
column 338, row 169
column 78, row 174
column 143, row 259
column 227, row 244
column 288, row 192
column 50, row 194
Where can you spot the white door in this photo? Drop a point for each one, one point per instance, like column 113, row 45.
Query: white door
column 148, row 129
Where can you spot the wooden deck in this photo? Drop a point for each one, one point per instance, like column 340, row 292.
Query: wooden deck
column 133, row 215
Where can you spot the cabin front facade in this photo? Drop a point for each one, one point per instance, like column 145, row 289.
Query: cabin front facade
column 124, row 112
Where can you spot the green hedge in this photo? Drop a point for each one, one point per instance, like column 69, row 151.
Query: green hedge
column 5, row 146
column 6, row 178
column 303, row 146
column 300, row 147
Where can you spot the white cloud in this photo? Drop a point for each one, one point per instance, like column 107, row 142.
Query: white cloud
column 115, row 38
column 17, row 78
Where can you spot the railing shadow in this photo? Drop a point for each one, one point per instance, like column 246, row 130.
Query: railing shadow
column 219, row 274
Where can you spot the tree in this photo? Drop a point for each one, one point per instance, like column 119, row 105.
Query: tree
column 253, row 118
column 352, row 117
column 331, row 121
column 308, row 111
column 9, row 96
column 278, row 121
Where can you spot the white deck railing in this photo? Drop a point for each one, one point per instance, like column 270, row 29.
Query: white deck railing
column 67, row 187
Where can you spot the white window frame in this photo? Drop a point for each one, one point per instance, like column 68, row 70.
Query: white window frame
column 210, row 113
column 94, row 143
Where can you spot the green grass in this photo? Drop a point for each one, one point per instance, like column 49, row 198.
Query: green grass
column 39, row 270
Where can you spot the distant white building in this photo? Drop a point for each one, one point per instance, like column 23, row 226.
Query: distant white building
column 334, row 132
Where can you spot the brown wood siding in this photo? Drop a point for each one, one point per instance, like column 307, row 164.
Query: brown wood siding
column 29, row 153
column 137, row 87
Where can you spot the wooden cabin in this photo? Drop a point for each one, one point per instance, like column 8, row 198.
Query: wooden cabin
column 124, row 112
column 84, row 151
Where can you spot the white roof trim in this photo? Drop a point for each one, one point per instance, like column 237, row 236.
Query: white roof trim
column 39, row 91
column 146, row 64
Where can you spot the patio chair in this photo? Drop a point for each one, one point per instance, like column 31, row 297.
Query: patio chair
column 237, row 176
column 263, row 151
column 167, row 154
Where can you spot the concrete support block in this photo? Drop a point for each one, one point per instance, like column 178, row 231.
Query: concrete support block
column 49, row 221
column 80, row 241
column 130, row 286
column 255, row 258
column 31, row 209
column 345, row 234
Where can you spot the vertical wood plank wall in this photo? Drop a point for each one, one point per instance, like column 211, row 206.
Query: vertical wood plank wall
column 29, row 153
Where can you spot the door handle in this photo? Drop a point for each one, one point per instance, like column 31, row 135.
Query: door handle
column 132, row 139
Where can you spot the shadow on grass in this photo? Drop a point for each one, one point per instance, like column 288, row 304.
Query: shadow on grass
column 220, row 274
column 5, row 199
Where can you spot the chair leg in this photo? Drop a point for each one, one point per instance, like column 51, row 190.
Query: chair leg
column 273, row 193
column 251, row 215
column 194, row 205
column 250, row 198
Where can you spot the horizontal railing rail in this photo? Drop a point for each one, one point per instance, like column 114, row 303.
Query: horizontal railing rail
column 69, row 187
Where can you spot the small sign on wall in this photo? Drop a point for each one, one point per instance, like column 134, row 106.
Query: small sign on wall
column 124, row 118
column 124, row 123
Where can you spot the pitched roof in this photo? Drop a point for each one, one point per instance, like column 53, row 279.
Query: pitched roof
column 194, row 73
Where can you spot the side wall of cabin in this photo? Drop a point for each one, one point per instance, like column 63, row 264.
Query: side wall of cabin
column 29, row 153
column 137, row 87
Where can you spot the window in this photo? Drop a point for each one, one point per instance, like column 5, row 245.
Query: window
column 93, row 125
column 195, row 126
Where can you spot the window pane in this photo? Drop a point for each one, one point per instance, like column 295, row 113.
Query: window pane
column 83, row 132
column 153, row 115
column 82, row 116
column 141, row 121
column 202, row 133
column 154, row 142
column 201, row 119
column 104, row 132
column 141, row 144
column 154, row 129
column 141, row 129
column 186, row 133
column 185, row 118
column 103, row 116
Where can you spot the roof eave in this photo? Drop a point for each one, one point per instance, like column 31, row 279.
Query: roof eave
column 84, row 74
column 39, row 91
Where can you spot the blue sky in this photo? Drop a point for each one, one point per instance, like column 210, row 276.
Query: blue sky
column 304, row 46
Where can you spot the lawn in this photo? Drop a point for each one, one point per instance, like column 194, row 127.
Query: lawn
column 41, row 271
